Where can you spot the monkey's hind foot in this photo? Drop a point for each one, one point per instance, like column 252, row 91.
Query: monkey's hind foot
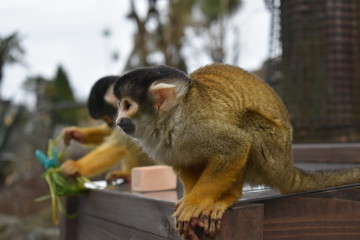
column 190, row 217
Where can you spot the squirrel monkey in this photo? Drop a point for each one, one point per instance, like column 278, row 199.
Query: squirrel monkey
column 219, row 127
column 111, row 144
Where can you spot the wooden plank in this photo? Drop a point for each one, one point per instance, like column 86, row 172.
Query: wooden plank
column 329, row 215
column 327, row 153
column 112, row 213
column 69, row 227
column 242, row 222
column 120, row 214
column 93, row 228
column 245, row 218
column 129, row 210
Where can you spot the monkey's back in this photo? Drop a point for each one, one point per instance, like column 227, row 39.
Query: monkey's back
column 240, row 99
column 237, row 90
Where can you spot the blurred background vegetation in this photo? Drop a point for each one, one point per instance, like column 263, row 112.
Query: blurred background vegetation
column 314, row 54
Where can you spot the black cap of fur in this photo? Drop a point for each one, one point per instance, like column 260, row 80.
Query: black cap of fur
column 137, row 82
column 96, row 104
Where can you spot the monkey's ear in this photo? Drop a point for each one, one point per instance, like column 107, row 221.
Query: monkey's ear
column 164, row 96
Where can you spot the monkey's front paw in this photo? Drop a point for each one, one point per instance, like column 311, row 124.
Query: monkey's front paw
column 72, row 133
column 70, row 168
column 212, row 223
column 185, row 211
column 114, row 175
column 177, row 204
column 189, row 217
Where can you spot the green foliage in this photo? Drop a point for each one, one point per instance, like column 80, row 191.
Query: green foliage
column 59, row 185
column 55, row 95
column 60, row 89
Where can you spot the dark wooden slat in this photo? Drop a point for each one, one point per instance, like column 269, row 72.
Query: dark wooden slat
column 327, row 214
column 93, row 228
column 244, row 222
column 134, row 214
column 331, row 214
column 146, row 214
column 69, row 227
column 327, row 153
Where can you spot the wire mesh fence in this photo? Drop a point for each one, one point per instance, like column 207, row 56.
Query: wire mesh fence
column 315, row 67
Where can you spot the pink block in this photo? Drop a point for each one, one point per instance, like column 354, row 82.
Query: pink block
column 152, row 178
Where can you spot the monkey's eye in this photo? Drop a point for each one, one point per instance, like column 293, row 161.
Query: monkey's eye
column 126, row 105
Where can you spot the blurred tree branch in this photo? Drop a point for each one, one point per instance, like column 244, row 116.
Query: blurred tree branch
column 160, row 38
column 11, row 52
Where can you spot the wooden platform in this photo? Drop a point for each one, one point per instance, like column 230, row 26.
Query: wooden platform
column 261, row 213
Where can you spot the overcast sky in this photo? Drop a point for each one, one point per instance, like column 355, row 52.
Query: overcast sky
column 69, row 33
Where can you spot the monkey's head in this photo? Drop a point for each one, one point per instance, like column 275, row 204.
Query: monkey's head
column 146, row 96
column 101, row 102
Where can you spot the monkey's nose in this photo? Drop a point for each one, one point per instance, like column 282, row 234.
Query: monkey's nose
column 126, row 125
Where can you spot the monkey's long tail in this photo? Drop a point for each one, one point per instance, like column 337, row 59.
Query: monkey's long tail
column 300, row 180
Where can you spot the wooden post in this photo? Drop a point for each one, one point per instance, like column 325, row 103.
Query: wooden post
column 68, row 226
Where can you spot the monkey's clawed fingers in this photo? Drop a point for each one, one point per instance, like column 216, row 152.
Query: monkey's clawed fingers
column 115, row 175
column 70, row 168
column 187, row 228
column 210, row 226
column 72, row 134
column 212, row 222
column 177, row 205
column 188, row 218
